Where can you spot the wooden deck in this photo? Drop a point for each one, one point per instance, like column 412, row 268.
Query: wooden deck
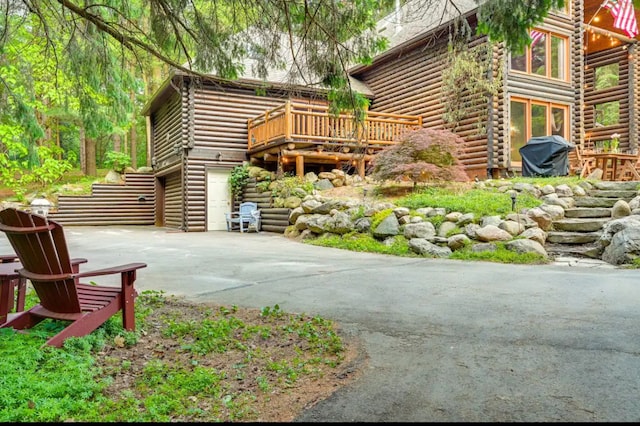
column 298, row 132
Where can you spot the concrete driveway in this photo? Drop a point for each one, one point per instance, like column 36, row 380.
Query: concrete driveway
column 446, row 340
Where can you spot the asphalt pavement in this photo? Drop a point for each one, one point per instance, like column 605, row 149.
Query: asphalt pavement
column 445, row 340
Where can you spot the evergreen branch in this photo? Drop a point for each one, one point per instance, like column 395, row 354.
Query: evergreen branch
column 131, row 42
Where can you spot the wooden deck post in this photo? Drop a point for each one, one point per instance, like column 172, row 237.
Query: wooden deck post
column 300, row 166
column 279, row 166
column 287, row 120
column 360, row 167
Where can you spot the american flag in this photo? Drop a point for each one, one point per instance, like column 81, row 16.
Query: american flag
column 535, row 36
column 624, row 15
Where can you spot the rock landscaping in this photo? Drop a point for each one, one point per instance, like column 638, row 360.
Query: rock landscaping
column 604, row 217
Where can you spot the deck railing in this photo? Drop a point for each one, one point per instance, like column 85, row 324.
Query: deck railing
column 293, row 122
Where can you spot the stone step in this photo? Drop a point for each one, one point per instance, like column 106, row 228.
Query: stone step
column 617, row 194
column 588, row 212
column 580, row 224
column 567, row 237
column 577, row 250
column 594, row 202
column 616, row 186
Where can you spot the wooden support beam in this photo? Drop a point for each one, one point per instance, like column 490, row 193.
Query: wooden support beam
column 336, row 156
column 300, row 166
column 609, row 33
column 360, row 167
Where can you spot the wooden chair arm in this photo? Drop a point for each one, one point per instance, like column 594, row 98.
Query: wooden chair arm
column 112, row 270
column 59, row 277
column 8, row 258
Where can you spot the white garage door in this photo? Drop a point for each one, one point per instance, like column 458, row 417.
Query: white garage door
column 218, row 199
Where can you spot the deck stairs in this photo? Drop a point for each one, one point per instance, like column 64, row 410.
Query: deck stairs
column 272, row 219
column 577, row 232
column 129, row 203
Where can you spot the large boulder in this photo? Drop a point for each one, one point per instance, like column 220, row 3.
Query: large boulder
column 387, row 228
column 492, row 233
column 426, row 248
column 620, row 240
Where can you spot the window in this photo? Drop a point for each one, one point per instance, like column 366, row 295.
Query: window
column 547, row 56
column 606, row 76
column 564, row 10
column 529, row 118
column 607, row 114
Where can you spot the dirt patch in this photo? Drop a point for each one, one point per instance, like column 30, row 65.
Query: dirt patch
column 282, row 403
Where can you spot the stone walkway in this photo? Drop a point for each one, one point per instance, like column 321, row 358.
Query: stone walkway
column 582, row 262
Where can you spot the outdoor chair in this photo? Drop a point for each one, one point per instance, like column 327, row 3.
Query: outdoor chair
column 19, row 284
column 246, row 217
column 42, row 249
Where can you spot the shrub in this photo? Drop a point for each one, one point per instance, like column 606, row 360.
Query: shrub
column 423, row 155
column 238, row 179
column 118, row 161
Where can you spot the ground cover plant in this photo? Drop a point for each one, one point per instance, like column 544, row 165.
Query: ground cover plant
column 480, row 202
column 185, row 362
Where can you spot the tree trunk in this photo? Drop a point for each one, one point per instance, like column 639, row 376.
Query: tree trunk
column 117, row 143
column 83, row 151
column 133, row 146
column 90, row 157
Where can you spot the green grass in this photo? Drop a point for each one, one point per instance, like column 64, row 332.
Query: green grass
column 500, row 255
column 367, row 243
column 72, row 383
column 364, row 243
column 554, row 181
column 480, row 202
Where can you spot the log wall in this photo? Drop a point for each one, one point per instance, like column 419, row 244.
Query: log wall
column 167, row 135
column 217, row 122
column 618, row 93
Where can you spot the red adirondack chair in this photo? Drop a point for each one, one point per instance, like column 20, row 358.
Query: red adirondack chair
column 42, row 249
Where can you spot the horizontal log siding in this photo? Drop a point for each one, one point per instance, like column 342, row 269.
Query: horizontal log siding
column 166, row 124
column 618, row 93
column 218, row 121
column 577, row 70
column 411, row 84
column 173, row 206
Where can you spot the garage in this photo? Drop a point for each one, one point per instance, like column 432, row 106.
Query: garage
column 218, row 199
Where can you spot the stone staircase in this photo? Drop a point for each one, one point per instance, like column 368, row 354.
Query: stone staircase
column 577, row 232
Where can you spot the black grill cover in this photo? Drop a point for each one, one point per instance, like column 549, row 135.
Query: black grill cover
column 546, row 156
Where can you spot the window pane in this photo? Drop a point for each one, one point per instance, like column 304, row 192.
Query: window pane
column 539, row 55
column 538, row 120
column 517, row 129
column 606, row 76
column 558, row 57
column 519, row 62
column 607, row 114
column 558, row 120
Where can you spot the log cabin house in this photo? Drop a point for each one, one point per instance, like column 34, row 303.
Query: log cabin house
column 577, row 80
